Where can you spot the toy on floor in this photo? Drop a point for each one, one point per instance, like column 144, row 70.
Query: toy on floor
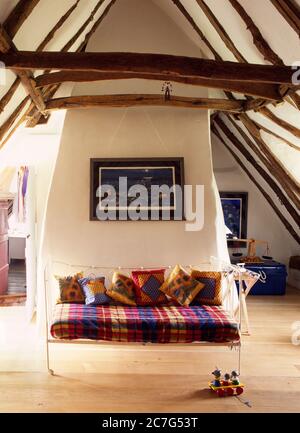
column 228, row 386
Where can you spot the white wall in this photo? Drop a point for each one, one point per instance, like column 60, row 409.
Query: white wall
column 263, row 223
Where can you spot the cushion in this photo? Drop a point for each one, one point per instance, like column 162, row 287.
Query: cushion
column 70, row 289
column 94, row 290
column 181, row 287
column 122, row 289
column 211, row 294
column 147, row 285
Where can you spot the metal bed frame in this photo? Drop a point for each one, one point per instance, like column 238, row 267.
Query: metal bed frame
column 233, row 271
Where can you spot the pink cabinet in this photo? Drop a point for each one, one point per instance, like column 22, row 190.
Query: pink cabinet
column 3, row 246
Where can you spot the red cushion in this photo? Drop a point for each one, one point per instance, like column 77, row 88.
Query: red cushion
column 147, row 284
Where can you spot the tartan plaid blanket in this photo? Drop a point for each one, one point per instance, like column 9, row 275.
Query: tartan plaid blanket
column 171, row 324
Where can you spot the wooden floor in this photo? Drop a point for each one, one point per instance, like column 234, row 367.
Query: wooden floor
column 153, row 378
column 16, row 292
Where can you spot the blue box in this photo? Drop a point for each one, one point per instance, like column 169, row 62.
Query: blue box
column 275, row 282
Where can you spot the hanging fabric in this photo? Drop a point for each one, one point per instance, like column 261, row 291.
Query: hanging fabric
column 23, row 174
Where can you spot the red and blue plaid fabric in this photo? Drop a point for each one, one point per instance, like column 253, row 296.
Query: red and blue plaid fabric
column 171, row 324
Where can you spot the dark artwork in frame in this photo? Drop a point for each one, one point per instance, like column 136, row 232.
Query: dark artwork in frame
column 235, row 210
column 145, row 172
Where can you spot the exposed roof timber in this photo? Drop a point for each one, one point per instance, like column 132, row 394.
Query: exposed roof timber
column 190, row 67
column 279, row 137
column 57, row 26
column 292, row 186
column 5, row 127
column 280, row 122
column 221, row 31
column 89, row 101
column 261, row 170
column 258, row 39
column 267, row 91
column 9, row 94
column 36, row 118
column 84, row 43
column 197, row 29
column 291, row 13
column 18, row 15
column 26, row 77
column 71, row 42
column 253, row 178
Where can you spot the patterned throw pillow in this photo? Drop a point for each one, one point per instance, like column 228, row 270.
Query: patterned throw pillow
column 181, row 287
column 122, row 289
column 70, row 289
column 94, row 290
column 147, row 285
column 211, row 293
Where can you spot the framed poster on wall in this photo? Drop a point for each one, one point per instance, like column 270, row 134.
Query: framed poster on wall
column 235, row 210
column 123, row 182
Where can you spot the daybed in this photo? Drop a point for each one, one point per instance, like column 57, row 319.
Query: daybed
column 163, row 324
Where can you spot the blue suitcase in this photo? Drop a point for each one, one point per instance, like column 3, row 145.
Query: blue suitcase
column 275, row 282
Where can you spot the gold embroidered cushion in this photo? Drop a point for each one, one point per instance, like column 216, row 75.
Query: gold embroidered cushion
column 212, row 291
column 181, row 287
column 122, row 289
column 70, row 290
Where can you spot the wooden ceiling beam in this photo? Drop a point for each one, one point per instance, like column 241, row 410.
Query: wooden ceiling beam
column 18, row 15
column 280, row 122
column 221, row 31
column 189, row 67
column 266, row 91
column 258, row 184
column 259, row 168
column 197, row 29
column 57, row 26
column 258, row 40
column 25, row 77
column 290, row 13
column 91, row 101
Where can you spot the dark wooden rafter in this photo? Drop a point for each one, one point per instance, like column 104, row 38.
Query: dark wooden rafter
column 260, row 169
column 279, row 137
column 258, row 39
column 267, row 158
column 253, row 178
column 280, row 122
column 89, row 101
column 4, row 128
column 57, row 26
column 9, row 94
column 190, row 67
column 83, row 45
column 221, row 31
column 26, row 77
column 266, row 91
column 80, row 31
column 291, row 185
column 291, row 13
column 197, row 29
column 51, row 91
column 18, row 15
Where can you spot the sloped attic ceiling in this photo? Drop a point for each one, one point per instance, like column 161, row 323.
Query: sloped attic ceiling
column 265, row 138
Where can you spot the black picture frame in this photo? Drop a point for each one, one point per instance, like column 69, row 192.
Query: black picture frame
column 235, row 210
column 110, row 169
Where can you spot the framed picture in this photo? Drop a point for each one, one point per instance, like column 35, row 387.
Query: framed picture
column 136, row 188
column 235, row 210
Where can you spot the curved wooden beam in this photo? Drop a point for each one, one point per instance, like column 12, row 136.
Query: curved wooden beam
column 140, row 63
column 253, row 178
column 91, row 101
column 266, row 91
column 18, row 15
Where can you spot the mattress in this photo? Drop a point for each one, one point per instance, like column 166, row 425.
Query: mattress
column 171, row 324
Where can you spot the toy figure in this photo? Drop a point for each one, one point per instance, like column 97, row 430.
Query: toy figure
column 226, row 381
column 234, row 378
column 217, row 374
